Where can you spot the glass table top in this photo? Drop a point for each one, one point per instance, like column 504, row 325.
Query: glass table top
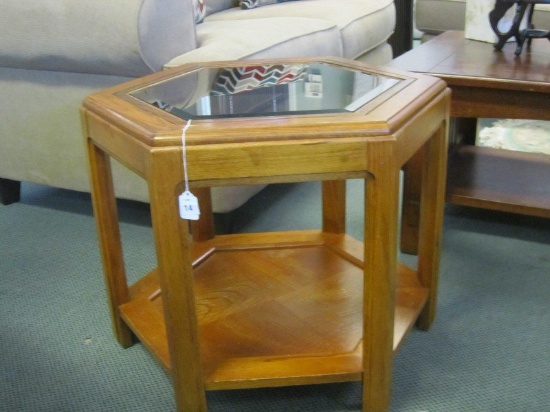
column 265, row 90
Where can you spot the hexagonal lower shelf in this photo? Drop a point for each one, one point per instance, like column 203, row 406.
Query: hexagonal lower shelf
column 273, row 307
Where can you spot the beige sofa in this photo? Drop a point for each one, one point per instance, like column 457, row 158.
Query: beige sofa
column 433, row 17
column 55, row 52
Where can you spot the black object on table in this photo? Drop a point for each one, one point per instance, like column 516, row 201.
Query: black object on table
column 528, row 33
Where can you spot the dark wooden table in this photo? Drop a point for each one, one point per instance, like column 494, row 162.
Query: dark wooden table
column 486, row 84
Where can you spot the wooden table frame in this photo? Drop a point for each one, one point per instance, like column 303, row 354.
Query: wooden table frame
column 372, row 144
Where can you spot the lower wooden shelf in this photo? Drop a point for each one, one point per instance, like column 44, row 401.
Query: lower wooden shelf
column 275, row 309
column 498, row 179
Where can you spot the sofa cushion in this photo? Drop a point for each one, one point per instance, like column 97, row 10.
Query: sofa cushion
column 363, row 25
column 123, row 37
column 263, row 38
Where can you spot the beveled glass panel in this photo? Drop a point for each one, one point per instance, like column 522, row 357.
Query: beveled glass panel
column 265, row 90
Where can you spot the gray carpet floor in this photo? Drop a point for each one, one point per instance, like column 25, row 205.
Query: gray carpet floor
column 489, row 349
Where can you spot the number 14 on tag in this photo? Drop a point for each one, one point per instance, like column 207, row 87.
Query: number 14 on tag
column 189, row 206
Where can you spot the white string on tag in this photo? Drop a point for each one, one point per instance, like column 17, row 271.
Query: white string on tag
column 188, row 203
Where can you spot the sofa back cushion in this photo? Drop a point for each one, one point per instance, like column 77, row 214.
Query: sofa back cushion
column 363, row 24
column 270, row 37
column 122, row 37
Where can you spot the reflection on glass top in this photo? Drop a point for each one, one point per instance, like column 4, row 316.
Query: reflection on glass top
column 269, row 90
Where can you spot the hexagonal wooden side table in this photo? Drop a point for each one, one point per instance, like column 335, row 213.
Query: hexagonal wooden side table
column 280, row 308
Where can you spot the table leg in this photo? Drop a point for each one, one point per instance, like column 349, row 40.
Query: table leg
column 110, row 244
column 381, row 221
column 461, row 131
column 172, row 240
column 410, row 210
column 334, row 206
column 203, row 229
column 432, row 205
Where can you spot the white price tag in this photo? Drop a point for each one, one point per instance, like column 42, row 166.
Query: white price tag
column 189, row 206
column 188, row 202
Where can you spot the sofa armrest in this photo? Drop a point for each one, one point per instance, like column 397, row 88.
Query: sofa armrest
column 115, row 37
